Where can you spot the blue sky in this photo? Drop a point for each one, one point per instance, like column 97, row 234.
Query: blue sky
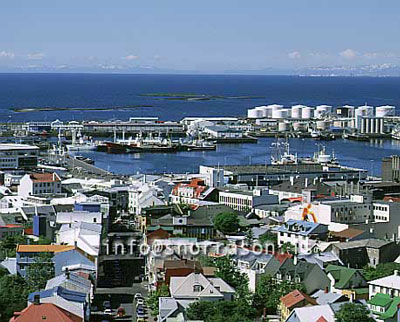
column 205, row 36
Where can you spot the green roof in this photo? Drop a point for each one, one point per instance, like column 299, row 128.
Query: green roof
column 154, row 228
column 361, row 290
column 380, row 300
column 341, row 274
column 385, row 300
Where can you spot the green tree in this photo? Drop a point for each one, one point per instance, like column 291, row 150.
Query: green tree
column 249, row 237
column 13, row 295
column 228, row 272
column 288, row 248
column 220, row 311
column 200, row 310
column 269, row 291
column 381, row 270
column 206, row 261
column 152, row 301
column 269, row 238
column 9, row 244
column 226, row 222
column 3, row 272
column 39, row 272
column 351, row 312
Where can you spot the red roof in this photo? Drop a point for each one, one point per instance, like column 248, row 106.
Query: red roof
column 11, row 226
column 197, row 184
column 28, row 231
column 159, row 234
column 44, row 312
column 295, row 297
column 321, row 319
column 391, row 199
column 44, row 177
column 281, row 257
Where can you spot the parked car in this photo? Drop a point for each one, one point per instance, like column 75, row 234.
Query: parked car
column 106, row 305
column 108, row 312
column 139, row 302
column 138, row 296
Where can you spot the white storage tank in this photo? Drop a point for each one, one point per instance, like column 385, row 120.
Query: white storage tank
column 283, row 126
column 322, row 110
column 386, row 110
column 323, row 125
column 365, row 110
column 296, row 111
column 276, row 111
column 299, row 126
column 279, row 114
column 307, row 112
column 274, row 108
column 254, row 113
column 263, row 110
column 345, row 111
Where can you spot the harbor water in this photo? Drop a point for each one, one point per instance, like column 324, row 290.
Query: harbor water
column 366, row 155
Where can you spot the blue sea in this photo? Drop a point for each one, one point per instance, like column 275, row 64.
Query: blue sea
column 117, row 92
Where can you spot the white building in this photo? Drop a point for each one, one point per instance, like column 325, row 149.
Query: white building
column 18, row 156
column 245, row 200
column 389, row 285
column 222, row 132
column 39, row 183
column 355, row 210
column 83, row 235
column 143, row 196
column 197, row 287
column 370, row 125
column 79, row 216
column 303, row 235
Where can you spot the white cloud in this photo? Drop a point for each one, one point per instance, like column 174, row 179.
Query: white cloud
column 6, row 54
column 348, row 54
column 35, row 56
column 110, row 67
column 131, row 57
column 294, row 55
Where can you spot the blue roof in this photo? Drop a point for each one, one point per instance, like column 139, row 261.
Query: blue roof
column 302, row 227
column 68, row 295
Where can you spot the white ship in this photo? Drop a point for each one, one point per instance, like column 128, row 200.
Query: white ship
column 396, row 134
column 81, row 144
column 283, row 156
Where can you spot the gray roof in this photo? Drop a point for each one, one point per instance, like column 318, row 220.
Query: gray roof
column 323, row 297
column 74, row 283
column 302, row 227
column 320, row 259
column 369, row 243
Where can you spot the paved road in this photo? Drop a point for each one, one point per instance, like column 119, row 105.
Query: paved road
column 74, row 163
column 122, row 297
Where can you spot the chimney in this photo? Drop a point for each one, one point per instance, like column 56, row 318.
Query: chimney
column 396, row 272
column 67, row 273
column 294, row 260
column 326, row 289
column 292, row 181
column 36, row 299
column 306, row 182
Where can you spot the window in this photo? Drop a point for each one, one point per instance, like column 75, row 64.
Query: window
column 197, row 288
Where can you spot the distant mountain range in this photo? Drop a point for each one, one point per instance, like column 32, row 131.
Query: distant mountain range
column 378, row 70
column 382, row 70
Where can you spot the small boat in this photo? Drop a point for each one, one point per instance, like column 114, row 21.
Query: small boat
column 326, row 136
column 358, row 137
column 396, row 134
column 84, row 159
